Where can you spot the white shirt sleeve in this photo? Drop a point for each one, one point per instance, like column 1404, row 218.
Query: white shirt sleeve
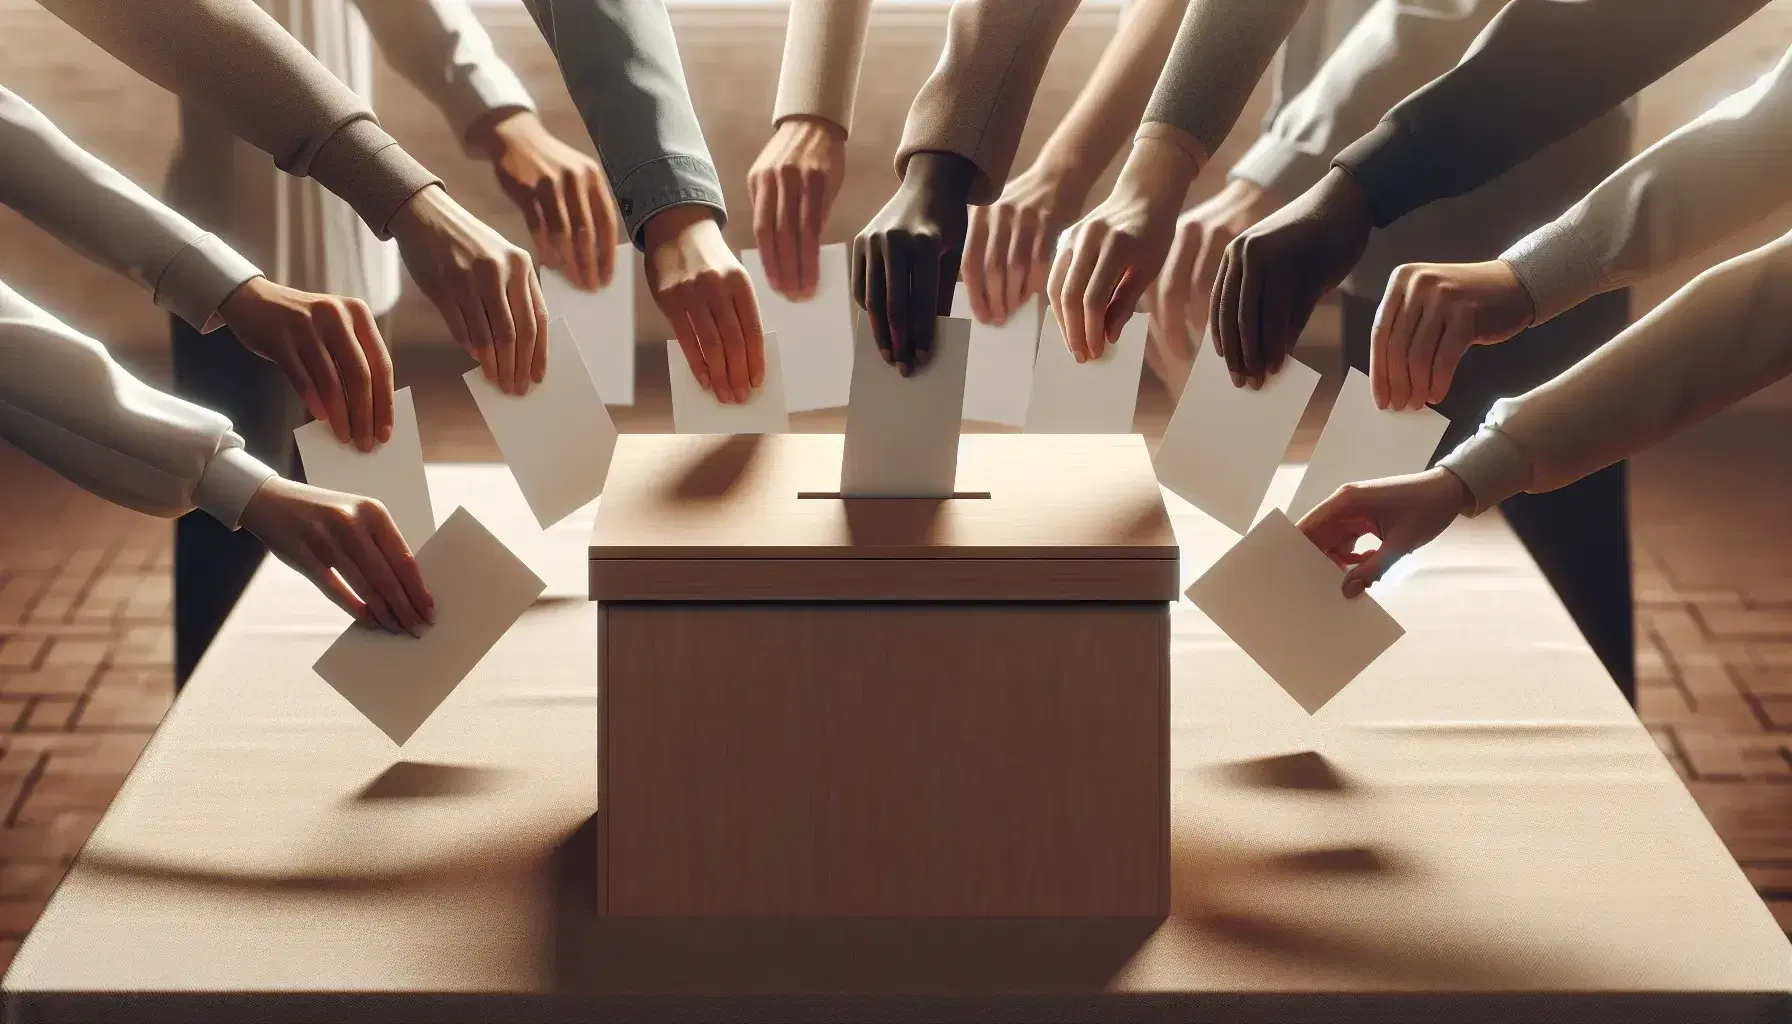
column 1713, row 177
column 1395, row 48
column 440, row 47
column 99, row 212
column 67, row 404
column 1718, row 340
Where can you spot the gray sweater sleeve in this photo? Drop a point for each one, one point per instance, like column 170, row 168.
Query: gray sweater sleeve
column 621, row 65
column 1221, row 51
column 1542, row 70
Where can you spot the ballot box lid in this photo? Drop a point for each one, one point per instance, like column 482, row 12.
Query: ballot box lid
column 1035, row 517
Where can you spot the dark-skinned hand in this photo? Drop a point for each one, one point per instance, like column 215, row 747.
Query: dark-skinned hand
column 1272, row 276
column 905, row 262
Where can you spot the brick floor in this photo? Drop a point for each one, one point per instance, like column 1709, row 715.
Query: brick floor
column 85, row 636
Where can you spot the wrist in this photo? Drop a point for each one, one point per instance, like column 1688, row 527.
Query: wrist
column 1344, row 193
column 430, row 200
column 250, row 292
column 812, row 125
column 499, row 132
column 680, row 223
column 945, row 176
column 1157, row 172
column 1063, row 175
column 1462, row 499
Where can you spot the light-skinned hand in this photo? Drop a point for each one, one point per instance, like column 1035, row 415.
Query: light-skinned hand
column 1431, row 314
column 1108, row 259
column 1272, row 277
column 905, row 262
column 699, row 284
column 330, row 350
column 1008, row 250
column 563, row 193
column 792, row 186
column 1404, row 513
column 484, row 287
column 348, row 546
column 1184, row 288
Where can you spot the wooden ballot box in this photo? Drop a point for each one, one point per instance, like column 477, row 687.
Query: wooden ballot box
column 817, row 706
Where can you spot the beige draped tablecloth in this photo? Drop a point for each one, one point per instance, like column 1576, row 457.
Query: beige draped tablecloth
column 1478, row 829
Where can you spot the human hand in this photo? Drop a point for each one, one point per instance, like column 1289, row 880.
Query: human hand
column 792, row 186
column 1110, row 257
column 330, row 350
column 905, row 262
column 1431, row 314
column 1404, row 513
column 1008, row 250
column 699, row 284
column 348, row 546
column 1272, row 276
column 564, row 195
column 1185, row 285
column 484, row 287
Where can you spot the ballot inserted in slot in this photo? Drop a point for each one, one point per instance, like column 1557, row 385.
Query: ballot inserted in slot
column 902, row 432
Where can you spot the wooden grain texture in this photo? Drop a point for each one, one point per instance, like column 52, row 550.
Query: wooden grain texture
column 706, row 496
column 884, row 760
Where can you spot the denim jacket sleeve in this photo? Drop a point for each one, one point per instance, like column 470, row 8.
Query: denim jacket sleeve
column 621, row 65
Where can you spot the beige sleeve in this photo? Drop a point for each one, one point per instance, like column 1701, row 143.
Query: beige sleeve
column 1718, row 340
column 975, row 104
column 231, row 59
column 824, row 47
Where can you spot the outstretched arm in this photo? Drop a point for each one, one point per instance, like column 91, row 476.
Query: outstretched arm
column 1721, row 338
column 621, row 64
column 1707, row 181
column 232, row 59
column 67, row 404
column 99, row 212
column 1542, row 70
column 793, row 182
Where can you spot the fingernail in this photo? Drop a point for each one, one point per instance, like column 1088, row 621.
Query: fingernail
column 904, row 369
column 923, row 357
column 759, row 379
column 1237, row 381
column 386, row 433
column 703, row 382
column 740, row 396
column 889, row 357
column 1081, row 358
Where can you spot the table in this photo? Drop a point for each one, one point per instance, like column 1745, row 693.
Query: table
column 1477, row 829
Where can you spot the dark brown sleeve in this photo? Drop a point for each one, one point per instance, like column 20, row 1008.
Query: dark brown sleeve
column 1542, row 70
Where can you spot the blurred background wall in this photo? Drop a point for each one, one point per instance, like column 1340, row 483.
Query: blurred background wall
column 731, row 50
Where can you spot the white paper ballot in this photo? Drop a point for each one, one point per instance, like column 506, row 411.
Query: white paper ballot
column 602, row 323
column 902, row 432
column 998, row 380
column 391, row 474
column 1223, row 443
column 557, row 439
column 480, row 590
column 1278, row 598
column 1097, row 397
column 1362, row 442
column 696, row 411
column 814, row 337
